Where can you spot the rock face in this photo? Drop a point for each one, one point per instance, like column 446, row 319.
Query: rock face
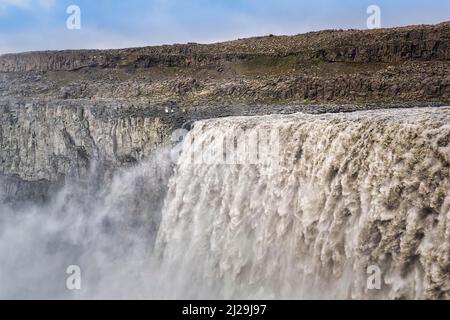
column 45, row 142
column 387, row 45
column 388, row 65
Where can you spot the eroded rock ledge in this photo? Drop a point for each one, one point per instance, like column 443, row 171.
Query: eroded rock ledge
column 426, row 42
column 385, row 66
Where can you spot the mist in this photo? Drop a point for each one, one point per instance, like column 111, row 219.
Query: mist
column 107, row 228
column 351, row 193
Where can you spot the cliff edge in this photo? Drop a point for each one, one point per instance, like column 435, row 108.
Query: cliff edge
column 385, row 65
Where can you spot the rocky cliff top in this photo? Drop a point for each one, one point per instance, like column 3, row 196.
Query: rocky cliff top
column 424, row 42
column 384, row 65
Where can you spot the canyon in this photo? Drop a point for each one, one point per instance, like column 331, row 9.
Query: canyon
column 87, row 173
column 108, row 105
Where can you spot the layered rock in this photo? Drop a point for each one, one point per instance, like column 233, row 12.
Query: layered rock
column 385, row 45
column 387, row 65
column 43, row 143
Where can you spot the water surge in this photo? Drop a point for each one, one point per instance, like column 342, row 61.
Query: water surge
column 281, row 206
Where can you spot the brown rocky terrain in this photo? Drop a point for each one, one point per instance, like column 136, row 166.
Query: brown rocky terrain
column 387, row 65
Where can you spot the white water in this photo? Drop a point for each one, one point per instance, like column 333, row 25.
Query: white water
column 349, row 191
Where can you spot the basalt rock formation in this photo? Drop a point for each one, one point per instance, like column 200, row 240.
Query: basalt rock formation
column 386, row 65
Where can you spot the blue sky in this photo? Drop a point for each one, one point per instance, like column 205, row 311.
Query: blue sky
column 27, row 25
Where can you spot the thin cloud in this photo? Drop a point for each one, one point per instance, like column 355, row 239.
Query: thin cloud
column 119, row 24
column 25, row 4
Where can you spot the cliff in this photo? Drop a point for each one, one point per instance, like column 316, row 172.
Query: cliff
column 45, row 143
column 61, row 111
column 426, row 42
column 386, row 65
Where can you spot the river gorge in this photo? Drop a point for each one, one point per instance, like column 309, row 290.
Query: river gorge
column 313, row 166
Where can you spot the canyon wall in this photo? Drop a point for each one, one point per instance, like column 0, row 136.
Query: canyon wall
column 408, row 64
column 385, row 45
column 43, row 143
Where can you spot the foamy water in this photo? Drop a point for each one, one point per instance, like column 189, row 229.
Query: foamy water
column 341, row 193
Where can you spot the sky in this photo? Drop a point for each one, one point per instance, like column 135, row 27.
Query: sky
column 29, row 25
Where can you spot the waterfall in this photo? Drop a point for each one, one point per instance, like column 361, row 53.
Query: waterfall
column 279, row 206
column 350, row 194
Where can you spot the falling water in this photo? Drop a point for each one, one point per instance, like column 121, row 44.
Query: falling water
column 302, row 207
column 351, row 192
